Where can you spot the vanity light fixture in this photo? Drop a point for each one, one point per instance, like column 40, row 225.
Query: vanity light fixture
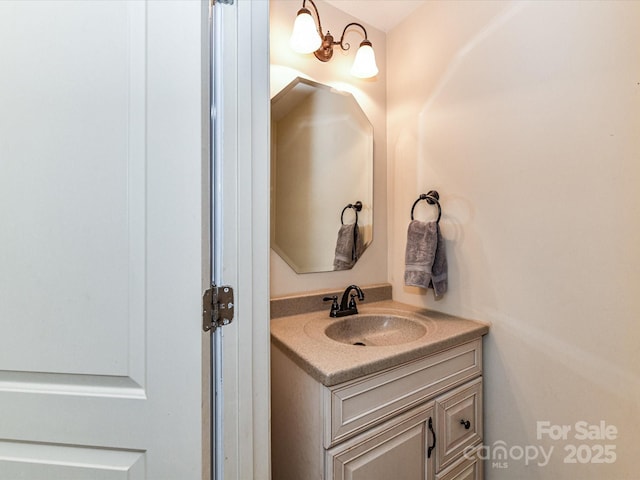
column 307, row 37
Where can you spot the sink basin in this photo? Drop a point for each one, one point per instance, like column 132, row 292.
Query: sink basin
column 375, row 330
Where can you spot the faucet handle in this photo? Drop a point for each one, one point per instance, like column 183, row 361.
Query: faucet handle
column 334, row 305
column 352, row 302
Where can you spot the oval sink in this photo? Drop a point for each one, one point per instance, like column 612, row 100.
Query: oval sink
column 375, row 330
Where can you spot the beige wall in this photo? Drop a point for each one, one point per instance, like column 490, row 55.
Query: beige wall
column 371, row 95
column 526, row 117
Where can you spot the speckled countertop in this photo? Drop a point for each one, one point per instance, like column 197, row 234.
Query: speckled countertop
column 330, row 362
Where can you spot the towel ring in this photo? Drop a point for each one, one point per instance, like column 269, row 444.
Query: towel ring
column 356, row 208
column 431, row 198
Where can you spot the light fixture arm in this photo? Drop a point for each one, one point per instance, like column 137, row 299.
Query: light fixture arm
column 345, row 46
column 317, row 15
column 325, row 52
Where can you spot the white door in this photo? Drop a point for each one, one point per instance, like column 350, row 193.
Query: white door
column 103, row 240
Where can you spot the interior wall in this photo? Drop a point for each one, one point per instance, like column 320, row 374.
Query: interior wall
column 371, row 95
column 525, row 116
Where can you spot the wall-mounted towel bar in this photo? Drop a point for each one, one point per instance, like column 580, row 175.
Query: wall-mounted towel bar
column 431, row 198
column 356, row 208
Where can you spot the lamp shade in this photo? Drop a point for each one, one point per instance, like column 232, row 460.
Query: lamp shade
column 364, row 66
column 305, row 37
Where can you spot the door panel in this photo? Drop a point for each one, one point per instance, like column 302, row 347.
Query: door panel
column 73, row 179
column 48, row 462
column 102, row 262
column 395, row 449
column 397, row 457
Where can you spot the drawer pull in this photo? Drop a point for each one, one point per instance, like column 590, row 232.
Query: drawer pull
column 430, row 448
column 466, row 423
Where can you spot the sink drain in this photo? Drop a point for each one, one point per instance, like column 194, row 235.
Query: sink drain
column 360, row 344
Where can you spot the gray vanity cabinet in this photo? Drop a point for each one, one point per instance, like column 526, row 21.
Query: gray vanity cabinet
column 415, row 421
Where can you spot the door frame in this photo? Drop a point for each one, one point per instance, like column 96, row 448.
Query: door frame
column 241, row 233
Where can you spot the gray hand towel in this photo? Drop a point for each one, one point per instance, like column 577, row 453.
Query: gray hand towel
column 349, row 247
column 439, row 277
column 425, row 257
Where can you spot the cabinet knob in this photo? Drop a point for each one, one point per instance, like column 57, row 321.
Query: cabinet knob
column 466, row 423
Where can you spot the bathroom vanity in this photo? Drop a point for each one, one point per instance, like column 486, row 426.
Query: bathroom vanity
column 402, row 406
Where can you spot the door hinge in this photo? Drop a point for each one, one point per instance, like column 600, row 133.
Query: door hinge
column 217, row 307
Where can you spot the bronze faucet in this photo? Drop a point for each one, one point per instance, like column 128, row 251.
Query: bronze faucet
column 347, row 305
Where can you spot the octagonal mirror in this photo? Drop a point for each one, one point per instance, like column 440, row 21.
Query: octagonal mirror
column 322, row 166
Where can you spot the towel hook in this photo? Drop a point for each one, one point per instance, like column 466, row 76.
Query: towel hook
column 356, row 208
column 431, row 198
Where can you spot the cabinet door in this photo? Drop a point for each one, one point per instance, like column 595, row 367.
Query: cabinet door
column 458, row 421
column 394, row 450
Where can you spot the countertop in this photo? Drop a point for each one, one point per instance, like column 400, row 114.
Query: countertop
column 330, row 362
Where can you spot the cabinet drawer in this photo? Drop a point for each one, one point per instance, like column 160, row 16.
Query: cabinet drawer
column 355, row 406
column 464, row 469
column 458, row 422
